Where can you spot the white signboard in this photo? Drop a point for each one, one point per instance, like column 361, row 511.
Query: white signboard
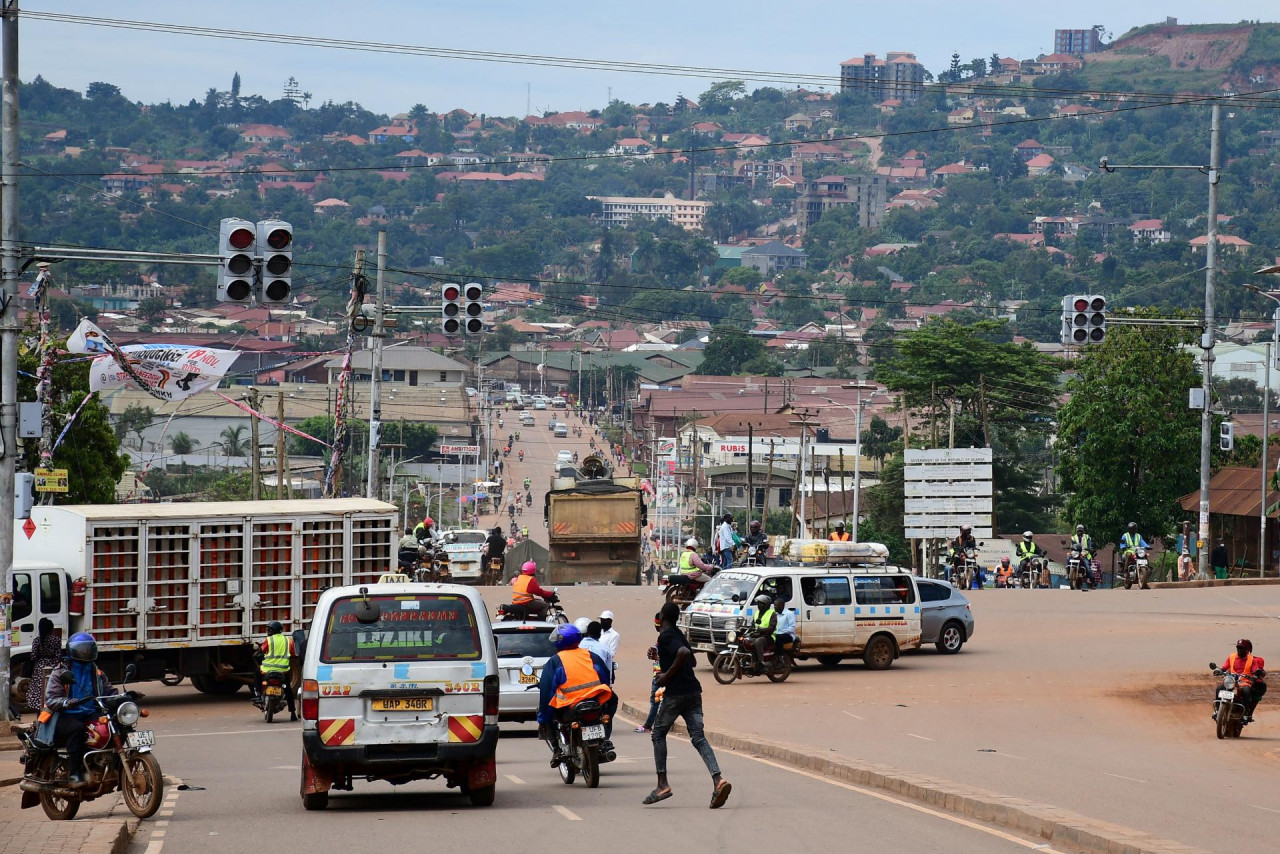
column 947, row 521
column 947, row 488
column 918, row 506
column 915, row 456
column 464, row 450
column 959, row 471
column 943, row 533
column 833, row 449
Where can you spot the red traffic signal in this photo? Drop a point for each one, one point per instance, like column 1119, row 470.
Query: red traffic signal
column 279, row 238
column 240, row 238
column 1081, row 304
column 452, row 292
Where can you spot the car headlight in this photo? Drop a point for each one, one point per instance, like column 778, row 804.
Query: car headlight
column 127, row 714
column 1229, row 682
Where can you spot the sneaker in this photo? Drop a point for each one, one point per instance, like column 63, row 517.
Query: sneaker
column 76, row 778
column 641, row 729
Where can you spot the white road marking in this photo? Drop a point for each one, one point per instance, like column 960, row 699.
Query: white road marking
column 566, row 812
column 1267, row 809
column 154, row 847
column 166, row 813
column 161, row 823
column 1122, row 777
column 1009, row 755
column 921, row 737
column 917, row 807
column 284, row 768
column 514, row 779
column 157, row 834
column 852, row 715
column 229, row 732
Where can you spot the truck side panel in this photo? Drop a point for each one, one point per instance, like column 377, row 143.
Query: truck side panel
column 166, row 602
column 222, row 567
column 115, row 561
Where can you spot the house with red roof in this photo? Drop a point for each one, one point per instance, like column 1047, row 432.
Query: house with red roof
column 1041, row 164
column 264, row 134
column 1028, row 149
column 1150, row 231
column 1226, row 242
column 571, row 120
column 631, row 146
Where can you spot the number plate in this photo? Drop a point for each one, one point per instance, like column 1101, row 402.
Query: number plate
column 528, row 679
column 590, row 732
column 143, row 738
column 403, row 704
column 274, row 690
column 1226, row 695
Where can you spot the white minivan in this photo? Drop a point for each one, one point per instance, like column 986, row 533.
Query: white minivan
column 863, row 608
column 399, row 683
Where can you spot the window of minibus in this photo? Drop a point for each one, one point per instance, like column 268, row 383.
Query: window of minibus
column 416, row 627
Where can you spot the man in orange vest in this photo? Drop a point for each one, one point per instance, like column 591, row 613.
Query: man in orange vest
column 569, row 677
column 1250, row 668
column 526, row 591
column 840, row 535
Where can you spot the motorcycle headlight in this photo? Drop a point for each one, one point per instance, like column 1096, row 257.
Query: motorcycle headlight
column 127, row 714
column 732, row 636
column 1229, row 682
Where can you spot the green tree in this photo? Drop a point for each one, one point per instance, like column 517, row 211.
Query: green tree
column 1127, row 442
column 879, row 440
column 885, row 507
column 152, row 308
column 728, row 350
column 233, row 441
column 136, row 418
column 182, row 443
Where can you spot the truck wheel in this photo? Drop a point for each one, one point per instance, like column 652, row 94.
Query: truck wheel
column 207, row 684
column 315, row 801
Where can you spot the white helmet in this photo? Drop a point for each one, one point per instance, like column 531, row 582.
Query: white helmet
column 691, row 543
column 581, row 624
column 1026, row 535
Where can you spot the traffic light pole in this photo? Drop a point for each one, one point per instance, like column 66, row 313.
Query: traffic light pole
column 1208, row 323
column 375, row 374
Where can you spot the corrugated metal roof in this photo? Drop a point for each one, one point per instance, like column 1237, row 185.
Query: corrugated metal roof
column 1233, row 491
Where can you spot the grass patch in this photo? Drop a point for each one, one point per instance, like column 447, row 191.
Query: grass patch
column 1147, row 74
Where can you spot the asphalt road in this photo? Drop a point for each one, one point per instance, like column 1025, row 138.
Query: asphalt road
column 244, row 775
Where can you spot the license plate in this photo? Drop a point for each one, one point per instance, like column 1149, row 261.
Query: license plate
column 1226, row 695
column 274, row 690
column 403, row 704
column 595, row 731
column 143, row 738
column 528, row 679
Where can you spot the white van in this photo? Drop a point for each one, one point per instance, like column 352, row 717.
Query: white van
column 864, row 608
column 399, row 683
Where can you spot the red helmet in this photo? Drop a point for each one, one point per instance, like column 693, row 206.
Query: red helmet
column 428, row 522
column 1004, row 561
column 1245, row 644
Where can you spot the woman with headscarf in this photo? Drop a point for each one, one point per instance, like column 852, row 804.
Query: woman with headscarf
column 46, row 649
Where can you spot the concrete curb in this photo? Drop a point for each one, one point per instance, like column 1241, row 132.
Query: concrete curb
column 1213, row 582
column 1059, row 827
column 109, row 836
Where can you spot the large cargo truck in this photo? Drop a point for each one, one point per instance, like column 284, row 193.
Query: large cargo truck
column 594, row 526
column 185, row 590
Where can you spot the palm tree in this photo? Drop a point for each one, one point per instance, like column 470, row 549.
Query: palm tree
column 182, row 443
column 233, row 442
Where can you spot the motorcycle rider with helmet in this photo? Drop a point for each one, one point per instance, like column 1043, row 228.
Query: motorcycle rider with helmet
column 69, row 695
column 758, row 538
column 692, row 566
column 956, row 548
column 840, row 535
column 425, row 533
column 1025, row 552
column 275, row 655
column 1130, row 542
column 527, row 592
column 1251, row 669
column 495, row 546
column 570, row 676
column 762, row 628
column 410, row 549
column 1085, row 542
column 1004, row 573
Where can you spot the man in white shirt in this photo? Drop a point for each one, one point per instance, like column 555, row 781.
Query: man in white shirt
column 784, row 633
column 591, row 642
column 608, row 634
column 726, row 539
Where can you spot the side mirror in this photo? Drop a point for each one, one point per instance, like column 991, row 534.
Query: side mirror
column 130, row 672
column 1213, row 666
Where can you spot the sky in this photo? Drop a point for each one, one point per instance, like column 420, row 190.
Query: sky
column 807, row 37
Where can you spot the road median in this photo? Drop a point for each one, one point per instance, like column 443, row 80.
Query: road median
column 1056, row 826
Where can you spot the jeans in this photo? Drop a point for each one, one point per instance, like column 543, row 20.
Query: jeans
column 690, row 709
column 72, row 734
column 726, row 558
column 653, row 706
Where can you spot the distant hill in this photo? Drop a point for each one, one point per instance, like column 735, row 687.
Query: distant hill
column 1189, row 58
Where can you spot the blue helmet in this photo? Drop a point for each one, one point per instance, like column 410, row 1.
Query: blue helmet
column 566, row 637
column 82, row 647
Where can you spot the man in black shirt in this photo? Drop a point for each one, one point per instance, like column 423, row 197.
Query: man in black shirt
column 680, row 697
column 496, row 546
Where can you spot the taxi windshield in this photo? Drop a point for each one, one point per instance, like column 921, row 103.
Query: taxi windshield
column 408, row 628
column 469, row 537
column 726, row 585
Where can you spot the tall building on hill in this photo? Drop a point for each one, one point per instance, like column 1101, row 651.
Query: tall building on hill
column 1076, row 42
column 898, row 75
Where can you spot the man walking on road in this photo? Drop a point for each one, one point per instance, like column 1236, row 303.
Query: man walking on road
column 680, row 696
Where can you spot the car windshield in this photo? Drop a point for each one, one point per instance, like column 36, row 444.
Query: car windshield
column 726, row 585
column 409, row 628
column 534, row 641
column 474, row 537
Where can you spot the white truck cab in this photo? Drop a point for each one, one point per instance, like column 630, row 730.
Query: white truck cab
column 399, row 683
column 847, row 599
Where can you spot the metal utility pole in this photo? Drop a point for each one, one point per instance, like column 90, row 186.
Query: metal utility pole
column 279, row 446
column 1266, row 431
column 9, row 328
column 375, row 374
column 1207, row 335
column 255, row 458
column 803, row 420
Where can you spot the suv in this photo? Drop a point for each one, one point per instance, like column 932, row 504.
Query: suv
column 564, row 458
column 523, row 650
column 399, row 683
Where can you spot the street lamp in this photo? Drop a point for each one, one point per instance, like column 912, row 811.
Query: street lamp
column 1274, row 296
column 391, row 484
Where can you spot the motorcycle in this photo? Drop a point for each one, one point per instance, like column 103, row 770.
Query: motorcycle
column 1077, row 569
column 119, row 758
column 510, row 611
column 1136, row 569
column 493, row 572
column 736, row 659
column 963, row 574
column 272, row 700
column 1228, row 705
column 1029, row 572
column 752, row 555
column 581, row 743
column 520, row 456
column 528, row 499
column 680, row 588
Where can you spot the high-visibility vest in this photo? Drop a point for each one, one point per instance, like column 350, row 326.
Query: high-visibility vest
column 581, row 681
column 840, row 536
column 686, row 563
column 762, row 619
column 1233, row 660
column 1130, row 542
column 520, row 586
column 277, row 658
column 1026, row 549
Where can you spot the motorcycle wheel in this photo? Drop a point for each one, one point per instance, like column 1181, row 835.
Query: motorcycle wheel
column 568, row 773
column 589, row 764
column 268, row 708
column 781, row 674
column 1128, row 581
column 727, row 668
column 1237, row 726
column 56, row 807
column 674, row 594
column 171, row 680
column 1223, row 723
column 142, row 784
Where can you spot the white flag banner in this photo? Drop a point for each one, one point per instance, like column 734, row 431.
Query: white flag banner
column 164, row 371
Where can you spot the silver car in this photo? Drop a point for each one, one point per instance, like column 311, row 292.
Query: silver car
column 946, row 620
column 523, row 649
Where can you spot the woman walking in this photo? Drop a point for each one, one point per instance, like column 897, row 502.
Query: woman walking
column 46, row 648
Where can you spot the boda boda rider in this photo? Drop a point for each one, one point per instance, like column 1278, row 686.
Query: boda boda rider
column 69, row 695
column 276, row 653
column 840, row 535
column 526, row 591
column 692, row 565
column 572, row 675
column 763, row 628
column 1249, row 667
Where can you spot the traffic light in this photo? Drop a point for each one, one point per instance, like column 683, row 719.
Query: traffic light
column 1097, row 318
column 451, row 309
column 275, row 242
column 1084, row 319
column 1226, row 436
column 473, row 309
column 236, row 239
